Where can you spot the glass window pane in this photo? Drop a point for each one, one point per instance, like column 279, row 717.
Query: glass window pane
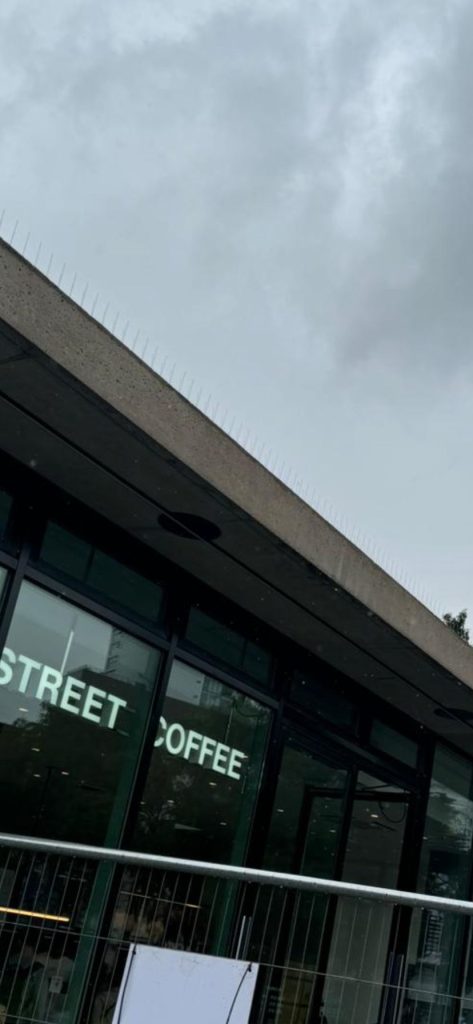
column 303, row 837
column 205, row 770
column 66, row 552
column 376, row 834
column 74, row 693
column 446, row 849
column 107, row 577
column 307, row 815
column 3, row 579
column 394, row 743
column 435, row 936
column 330, row 703
column 228, row 645
column 372, row 857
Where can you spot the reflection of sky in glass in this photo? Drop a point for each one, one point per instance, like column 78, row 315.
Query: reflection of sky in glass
column 41, row 628
column 54, row 633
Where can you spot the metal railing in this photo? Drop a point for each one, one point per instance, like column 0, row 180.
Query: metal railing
column 331, row 952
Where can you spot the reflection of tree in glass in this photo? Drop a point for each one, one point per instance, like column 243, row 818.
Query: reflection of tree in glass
column 456, row 815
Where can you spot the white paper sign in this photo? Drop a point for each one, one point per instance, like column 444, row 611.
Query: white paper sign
column 170, row 986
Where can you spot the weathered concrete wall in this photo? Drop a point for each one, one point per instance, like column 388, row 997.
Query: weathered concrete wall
column 79, row 345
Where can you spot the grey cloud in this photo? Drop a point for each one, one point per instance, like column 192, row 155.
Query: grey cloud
column 298, row 177
column 279, row 193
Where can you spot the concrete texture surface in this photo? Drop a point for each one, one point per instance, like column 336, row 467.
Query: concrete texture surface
column 65, row 338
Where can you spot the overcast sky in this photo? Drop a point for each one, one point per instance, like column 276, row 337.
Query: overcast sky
column 279, row 194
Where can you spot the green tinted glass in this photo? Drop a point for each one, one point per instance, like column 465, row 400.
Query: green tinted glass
column 307, row 814
column 436, row 938
column 228, row 645
column 330, row 703
column 394, row 743
column 74, row 696
column 205, row 770
column 108, row 577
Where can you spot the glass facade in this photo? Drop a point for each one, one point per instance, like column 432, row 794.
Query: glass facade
column 134, row 713
column 327, row 701
column 205, row 770
column 74, row 694
column 394, row 743
column 307, row 814
column 105, row 576
column 445, row 870
column 222, row 641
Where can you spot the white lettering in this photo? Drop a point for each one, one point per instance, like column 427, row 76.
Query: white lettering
column 177, row 740
column 236, row 760
column 207, row 747
column 173, row 729
column 193, row 743
column 219, row 765
column 117, row 703
column 180, row 742
column 29, row 664
column 94, row 699
column 160, row 739
column 73, row 689
column 50, row 680
column 5, row 669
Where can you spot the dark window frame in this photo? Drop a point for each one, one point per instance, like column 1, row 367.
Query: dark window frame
column 32, row 500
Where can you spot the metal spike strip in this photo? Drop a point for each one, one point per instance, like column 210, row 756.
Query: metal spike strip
column 239, row 433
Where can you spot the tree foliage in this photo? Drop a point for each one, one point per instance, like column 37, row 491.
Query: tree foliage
column 458, row 624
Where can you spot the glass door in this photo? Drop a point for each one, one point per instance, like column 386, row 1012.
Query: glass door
column 359, row 957
column 330, row 821
column 304, row 838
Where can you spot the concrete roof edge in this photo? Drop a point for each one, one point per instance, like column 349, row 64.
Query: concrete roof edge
column 66, row 334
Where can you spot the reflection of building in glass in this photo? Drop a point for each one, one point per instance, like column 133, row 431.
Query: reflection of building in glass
column 127, row 660
column 213, row 695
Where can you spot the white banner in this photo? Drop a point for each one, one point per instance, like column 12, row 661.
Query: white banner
column 170, row 986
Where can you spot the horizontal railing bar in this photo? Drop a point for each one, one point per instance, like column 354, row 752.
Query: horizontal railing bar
column 233, row 873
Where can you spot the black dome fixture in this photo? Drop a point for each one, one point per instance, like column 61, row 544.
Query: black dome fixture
column 189, row 526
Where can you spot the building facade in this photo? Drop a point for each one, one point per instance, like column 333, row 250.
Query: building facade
column 194, row 663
